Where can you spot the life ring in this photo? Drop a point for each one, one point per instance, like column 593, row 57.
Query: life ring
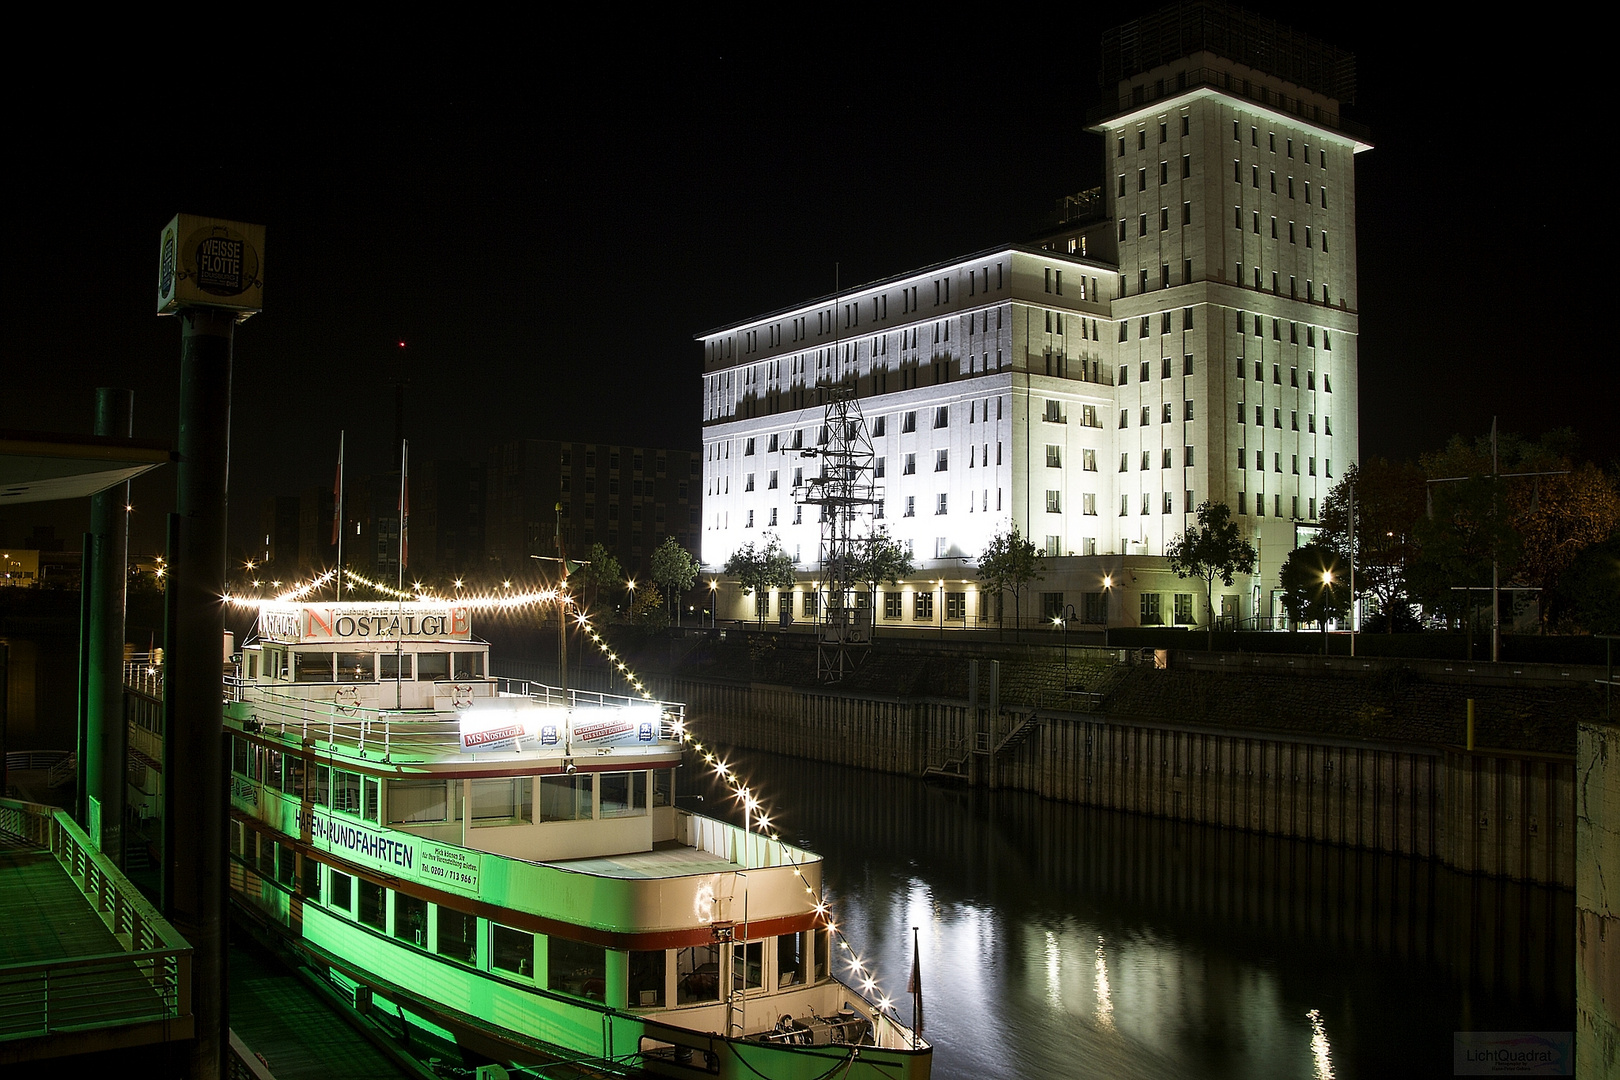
column 346, row 700
column 461, row 695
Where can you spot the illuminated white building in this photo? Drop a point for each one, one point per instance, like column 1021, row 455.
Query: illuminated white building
column 1187, row 333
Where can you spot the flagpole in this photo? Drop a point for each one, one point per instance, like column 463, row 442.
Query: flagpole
column 915, row 986
column 404, row 523
column 337, row 518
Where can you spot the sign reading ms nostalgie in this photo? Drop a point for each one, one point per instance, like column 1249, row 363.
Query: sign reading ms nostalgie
column 206, row 262
column 417, row 621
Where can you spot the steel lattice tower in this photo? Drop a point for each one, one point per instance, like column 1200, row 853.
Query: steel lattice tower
column 846, row 496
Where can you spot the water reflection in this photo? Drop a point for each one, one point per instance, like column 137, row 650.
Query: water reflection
column 1062, row 941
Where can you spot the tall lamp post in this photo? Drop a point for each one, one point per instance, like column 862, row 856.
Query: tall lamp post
column 1327, row 585
column 714, row 585
column 941, row 584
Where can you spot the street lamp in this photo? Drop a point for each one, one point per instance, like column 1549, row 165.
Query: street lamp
column 1327, row 585
column 1063, row 621
column 714, row 585
column 941, row 584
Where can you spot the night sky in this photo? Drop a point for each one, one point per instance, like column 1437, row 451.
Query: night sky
column 547, row 235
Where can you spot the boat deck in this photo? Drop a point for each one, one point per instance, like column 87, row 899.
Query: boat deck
column 668, row 858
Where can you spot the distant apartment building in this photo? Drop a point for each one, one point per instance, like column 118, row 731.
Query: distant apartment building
column 627, row 498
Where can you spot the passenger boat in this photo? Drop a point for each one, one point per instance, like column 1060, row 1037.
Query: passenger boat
column 504, row 864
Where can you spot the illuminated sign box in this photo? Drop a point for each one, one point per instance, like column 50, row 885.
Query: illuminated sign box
column 206, row 262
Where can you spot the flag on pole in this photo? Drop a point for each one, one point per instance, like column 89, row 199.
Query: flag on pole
column 914, row 984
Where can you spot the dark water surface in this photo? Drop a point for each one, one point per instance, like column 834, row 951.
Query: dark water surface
column 1061, row 941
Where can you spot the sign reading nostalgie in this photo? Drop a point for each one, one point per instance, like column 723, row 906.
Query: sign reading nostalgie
column 206, row 262
column 417, row 621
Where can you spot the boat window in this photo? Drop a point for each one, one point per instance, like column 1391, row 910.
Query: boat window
column 432, row 665
column 410, row 919
column 272, row 770
column 393, row 664
column 565, row 798
column 823, row 946
column 372, row 787
column 574, row 967
column 371, row 904
column 646, row 980
column 342, row 892
column 267, row 856
column 501, row 801
column 513, row 950
column 286, row 865
column 345, row 791
column 414, row 802
column 236, row 838
column 251, row 660
column 292, row 777
column 458, row 935
column 624, row 794
column 469, row 665
column 789, row 960
column 239, row 756
column 322, row 795
column 697, row 974
column 313, row 666
column 746, row 960
column 663, row 787
column 356, row 667
column 312, row 880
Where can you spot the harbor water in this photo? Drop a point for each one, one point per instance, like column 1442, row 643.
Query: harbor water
column 1064, row 941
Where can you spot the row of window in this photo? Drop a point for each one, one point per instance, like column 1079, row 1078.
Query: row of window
column 328, row 666
column 506, row 800
column 1167, row 459
column 1166, row 416
column 1276, row 506
column 548, row 961
column 1276, row 462
column 1167, row 503
column 875, row 308
column 1293, row 375
column 1276, row 419
column 567, row 458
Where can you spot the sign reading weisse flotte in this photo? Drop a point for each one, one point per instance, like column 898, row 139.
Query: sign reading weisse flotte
column 417, row 621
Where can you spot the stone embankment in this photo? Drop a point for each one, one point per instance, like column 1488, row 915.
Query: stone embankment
column 1368, row 753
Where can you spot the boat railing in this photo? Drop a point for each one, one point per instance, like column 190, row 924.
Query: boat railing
column 369, row 731
column 749, row 850
column 150, row 979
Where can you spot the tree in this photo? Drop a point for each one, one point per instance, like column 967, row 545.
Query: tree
column 674, row 568
column 761, row 567
column 600, row 570
column 880, row 560
column 1214, row 549
column 1008, row 563
column 1389, row 501
column 1315, row 587
column 647, row 611
column 1587, row 598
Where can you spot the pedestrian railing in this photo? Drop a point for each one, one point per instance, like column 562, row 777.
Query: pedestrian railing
column 148, row 981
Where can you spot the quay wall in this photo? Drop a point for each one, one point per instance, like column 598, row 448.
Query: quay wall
column 1597, row 907
column 1504, row 812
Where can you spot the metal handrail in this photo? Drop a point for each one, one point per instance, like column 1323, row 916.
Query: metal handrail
column 151, row 979
column 367, row 729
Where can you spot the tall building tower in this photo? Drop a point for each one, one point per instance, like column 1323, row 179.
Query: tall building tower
column 1230, row 182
